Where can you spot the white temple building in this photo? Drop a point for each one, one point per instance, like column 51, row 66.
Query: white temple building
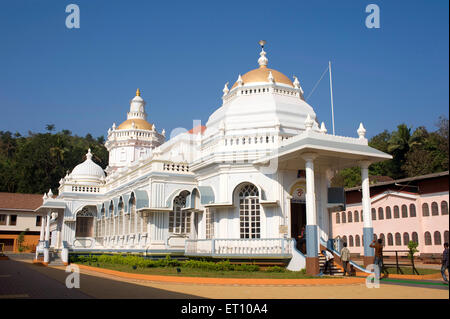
column 241, row 187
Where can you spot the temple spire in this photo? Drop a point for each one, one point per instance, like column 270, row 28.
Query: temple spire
column 262, row 61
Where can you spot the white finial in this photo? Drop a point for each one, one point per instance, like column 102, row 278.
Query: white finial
column 225, row 89
column 45, row 196
column 239, row 81
column 114, row 126
column 323, row 129
column 50, row 194
column 163, row 132
column 361, row 131
column 109, row 131
column 297, row 84
column 89, row 154
column 270, row 77
column 309, row 123
column 262, row 61
column 154, row 127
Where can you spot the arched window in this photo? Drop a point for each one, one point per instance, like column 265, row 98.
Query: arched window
column 132, row 204
column 356, row 217
column 357, row 241
column 428, row 239
column 344, row 218
column 396, row 212
column 108, row 230
column 100, row 221
column 405, row 239
column 350, row 241
column 425, row 210
column 446, row 236
column 415, row 237
column 412, row 210
column 437, row 238
column 444, row 208
column 180, row 220
column 374, row 214
column 362, row 216
column 388, row 212
column 338, row 218
column 84, row 223
column 383, row 240
column 249, row 212
column 120, row 230
column 349, row 219
column 390, row 240
column 398, row 239
column 404, row 211
column 434, row 209
column 380, row 213
column 344, row 239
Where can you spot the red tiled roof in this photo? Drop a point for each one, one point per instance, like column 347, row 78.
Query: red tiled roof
column 20, row 201
column 197, row 129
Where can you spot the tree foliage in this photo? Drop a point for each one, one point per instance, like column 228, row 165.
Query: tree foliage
column 37, row 162
column 414, row 153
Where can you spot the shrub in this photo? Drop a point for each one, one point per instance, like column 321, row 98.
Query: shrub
column 275, row 269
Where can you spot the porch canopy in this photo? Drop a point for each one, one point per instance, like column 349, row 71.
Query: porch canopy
column 332, row 151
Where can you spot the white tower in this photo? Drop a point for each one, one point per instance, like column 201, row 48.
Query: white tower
column 133, row 139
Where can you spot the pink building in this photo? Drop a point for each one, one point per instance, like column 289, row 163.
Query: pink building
column 413, row 208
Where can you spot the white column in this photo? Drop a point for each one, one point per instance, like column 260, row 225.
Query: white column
column 311, row 217
column 47, row 227
column 42, row 228
column 367, row 225
column 366, row 194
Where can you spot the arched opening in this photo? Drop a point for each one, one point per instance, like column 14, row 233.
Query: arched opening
column 249, row 212
column 398, row 239
column 388, row 212
column 357, row 241
column 380, row 213
column 404, row 211
column 349, row 217
column 374, row 214
column 405, row 239
column 396, row 212
column 85, row 223
column 415, row 237
column 425, row 210
column 120, row 230
column 444, row 208
column 427, row 238
column 390, row 240
column 133, row 219
column 356, row 217
column 434, row 209
column 180, row 220
column 412, row 210
column 437, row 238
column 338, row 218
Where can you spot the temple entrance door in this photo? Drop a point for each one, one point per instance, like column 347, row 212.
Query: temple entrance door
column 298, row 220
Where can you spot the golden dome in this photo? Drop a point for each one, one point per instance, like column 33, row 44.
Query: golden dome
column 261, row 75
column 139, row 124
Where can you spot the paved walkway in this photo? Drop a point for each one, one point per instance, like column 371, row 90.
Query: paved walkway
column 49, row 282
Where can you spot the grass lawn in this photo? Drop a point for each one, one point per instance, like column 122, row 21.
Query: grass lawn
column 408, row 271
column 189, row 272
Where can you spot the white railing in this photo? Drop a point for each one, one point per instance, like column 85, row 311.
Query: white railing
column 239, row 247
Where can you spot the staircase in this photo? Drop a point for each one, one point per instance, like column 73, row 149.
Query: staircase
column 55, row 258
column 335, row 271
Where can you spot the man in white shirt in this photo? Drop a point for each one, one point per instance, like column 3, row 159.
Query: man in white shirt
column 328, row 260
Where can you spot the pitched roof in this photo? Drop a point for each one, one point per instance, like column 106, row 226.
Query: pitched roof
column 20, row 201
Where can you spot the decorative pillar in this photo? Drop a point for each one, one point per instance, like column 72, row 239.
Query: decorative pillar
column 47, row 227
column 367, row 228
column 312, row 246
column 41, row 237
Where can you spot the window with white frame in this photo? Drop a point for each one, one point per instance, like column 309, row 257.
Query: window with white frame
column 249, row 212
column 180, row 220
column 209, row 214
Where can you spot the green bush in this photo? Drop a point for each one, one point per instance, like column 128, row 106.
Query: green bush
column 275, row 269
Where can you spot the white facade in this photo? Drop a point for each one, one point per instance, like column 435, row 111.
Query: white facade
column 222, row 191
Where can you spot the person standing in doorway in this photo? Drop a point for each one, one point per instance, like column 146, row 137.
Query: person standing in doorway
column 444, row 265
column 301, row 239
column 345, row 258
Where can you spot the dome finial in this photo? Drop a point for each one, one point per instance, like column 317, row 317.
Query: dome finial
column 262, row 61
column 138, row 93
column 89, row 154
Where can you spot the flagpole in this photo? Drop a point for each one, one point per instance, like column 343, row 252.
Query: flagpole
column 331, row 91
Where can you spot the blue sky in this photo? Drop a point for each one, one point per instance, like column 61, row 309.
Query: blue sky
column 181, row 53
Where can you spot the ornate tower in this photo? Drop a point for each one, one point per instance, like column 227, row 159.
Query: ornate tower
column 134, row 138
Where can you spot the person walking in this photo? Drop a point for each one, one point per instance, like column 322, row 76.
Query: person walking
column 378, row 245
column 345, row 258
column 328, row 261
column 444, row 265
